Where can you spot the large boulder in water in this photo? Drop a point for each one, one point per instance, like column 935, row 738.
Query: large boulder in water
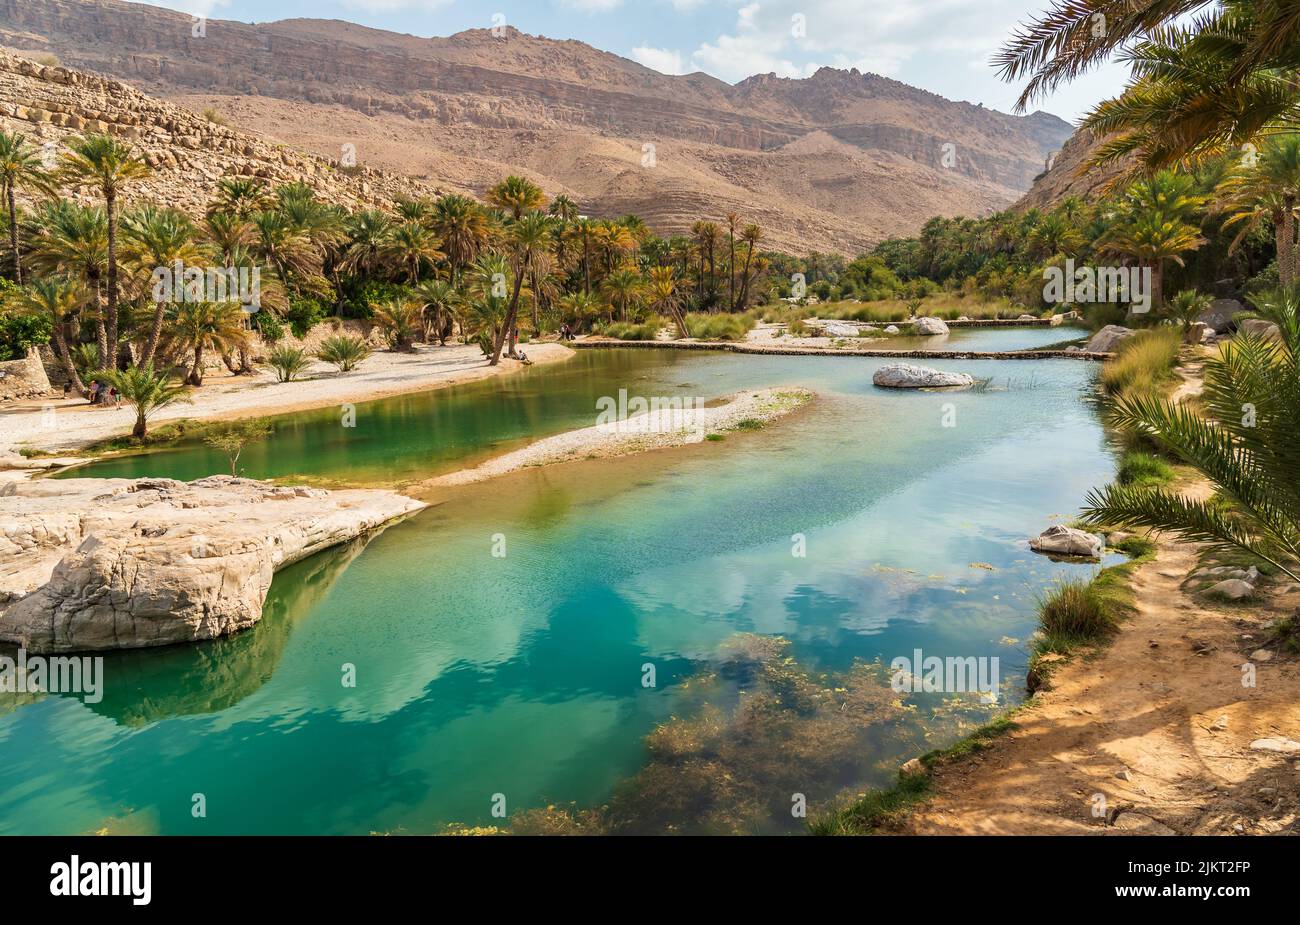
column 1060, row 540
column 1108, row 338
column 908, row 376
column 929, row 327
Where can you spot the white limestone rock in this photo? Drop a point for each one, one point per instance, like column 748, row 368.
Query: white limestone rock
column 97, row 564
column 909, row 376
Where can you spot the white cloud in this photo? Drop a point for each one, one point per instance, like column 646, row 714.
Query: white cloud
column 663, row 60
column 393, row 6
column 592, row 6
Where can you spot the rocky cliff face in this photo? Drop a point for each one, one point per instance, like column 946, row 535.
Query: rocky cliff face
column 1070, row 175
column 460, row 111
column 188, row 153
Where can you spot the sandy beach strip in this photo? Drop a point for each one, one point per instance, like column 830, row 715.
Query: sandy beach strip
column 72, row 424
column 652, row 429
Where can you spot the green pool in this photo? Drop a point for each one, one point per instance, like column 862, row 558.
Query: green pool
column 520, row 680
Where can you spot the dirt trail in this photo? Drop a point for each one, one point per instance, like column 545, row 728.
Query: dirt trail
column 1159, row 722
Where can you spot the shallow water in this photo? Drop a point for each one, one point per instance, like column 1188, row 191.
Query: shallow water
column 523, row 675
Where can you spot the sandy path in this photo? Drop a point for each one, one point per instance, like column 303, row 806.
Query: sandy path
column 637, row 433
column 74, row 424
column 1159, row 723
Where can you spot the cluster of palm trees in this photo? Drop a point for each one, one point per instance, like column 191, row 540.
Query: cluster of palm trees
column 421, row 269
column 1215, row 87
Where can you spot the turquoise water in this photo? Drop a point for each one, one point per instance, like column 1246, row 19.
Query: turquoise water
column 523, row 675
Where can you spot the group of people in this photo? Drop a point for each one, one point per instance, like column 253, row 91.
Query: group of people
column 101, row 393
column 566, row 332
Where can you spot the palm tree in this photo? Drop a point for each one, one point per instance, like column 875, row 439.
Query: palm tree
column 145, row 390
column 516, row 196
column 580, row 307
column 1153, row 227
column 563, row 208
column 57, row 300
column 240, row 197
column 109, row 166
column 200, row 325
column 437, row 296
column 1152, row 240
column 399, row 319
column 623, row 289
column 709, row 235
column 1186, row 306
column 732, row 220
column 410, row 245
column 1247, row 445
column 662, row 293
column 461, row 225
column 530, row 234
column 751, row 235
column 1268, row 188
column 287, row 248
column 71, row 240
column 159, row 239
column 584, row 231
column 20, row 166
column 368, row 233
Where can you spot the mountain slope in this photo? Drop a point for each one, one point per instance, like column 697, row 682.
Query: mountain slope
column 833, row 162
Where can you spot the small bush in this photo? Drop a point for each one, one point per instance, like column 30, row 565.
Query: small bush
column 214, row 117
column 626, row 330
column 719, row 327
column 343, row 351
column 1074, row 613
column 288, row 362
column 269, row 326
column 1138, row 468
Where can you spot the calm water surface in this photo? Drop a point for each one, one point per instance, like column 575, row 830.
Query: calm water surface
column 524, row 674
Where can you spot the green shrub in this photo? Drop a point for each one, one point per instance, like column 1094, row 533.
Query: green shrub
column 288, row 362
column 269, row 326
column 343, row 351
column 626, row 330
column 1074, row 613
column 303, row 315
column 1138, row 468
column 18, row 333
column 719, row 327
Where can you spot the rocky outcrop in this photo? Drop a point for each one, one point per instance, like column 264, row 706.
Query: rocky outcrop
column 1220, row 314
column 186, row 152
column 1108, row 338
column 23, row 378
column 94, row 564
column 909, row 376
column 1060, row 540
column 929, row 327
column 1259, row 327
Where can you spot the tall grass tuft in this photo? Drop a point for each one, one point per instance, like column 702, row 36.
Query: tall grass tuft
column 1142, row 363
column 719, row 327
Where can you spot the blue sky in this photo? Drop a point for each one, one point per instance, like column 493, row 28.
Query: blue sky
column 940, row 45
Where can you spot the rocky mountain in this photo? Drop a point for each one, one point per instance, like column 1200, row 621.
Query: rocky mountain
column 1071, row 175
column 835, row 161
column 188, row 153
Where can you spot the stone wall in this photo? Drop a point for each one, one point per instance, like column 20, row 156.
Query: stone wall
column 23, row 378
